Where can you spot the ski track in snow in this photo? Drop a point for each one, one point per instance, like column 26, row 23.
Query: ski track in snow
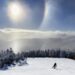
column 43, row 66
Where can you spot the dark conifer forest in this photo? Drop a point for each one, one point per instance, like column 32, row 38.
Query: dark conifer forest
column 8, row 57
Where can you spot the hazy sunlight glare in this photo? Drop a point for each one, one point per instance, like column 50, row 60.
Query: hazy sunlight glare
column 15, row 11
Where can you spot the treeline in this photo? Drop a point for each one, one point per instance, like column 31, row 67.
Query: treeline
column 9, row 58
column 50, row 53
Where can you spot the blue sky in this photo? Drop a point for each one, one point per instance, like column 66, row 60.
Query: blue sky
column 36, row 8
column 63, row 17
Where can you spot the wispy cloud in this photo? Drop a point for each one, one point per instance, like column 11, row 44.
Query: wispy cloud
column 21, row 39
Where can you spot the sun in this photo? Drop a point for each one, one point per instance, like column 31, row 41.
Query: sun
column 15, row 11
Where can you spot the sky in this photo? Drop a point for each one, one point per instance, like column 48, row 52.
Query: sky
column 37, row 24
column 33, row 10
column 60, row 14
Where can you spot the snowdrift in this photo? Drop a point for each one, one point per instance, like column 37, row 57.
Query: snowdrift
column 43, row 66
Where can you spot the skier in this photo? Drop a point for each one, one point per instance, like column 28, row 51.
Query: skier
column 55, row 65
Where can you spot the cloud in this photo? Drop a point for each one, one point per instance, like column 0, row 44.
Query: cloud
column 21, row 39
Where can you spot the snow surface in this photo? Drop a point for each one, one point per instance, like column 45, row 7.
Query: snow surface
column 43, row 66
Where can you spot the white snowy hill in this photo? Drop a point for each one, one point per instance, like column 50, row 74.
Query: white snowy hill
column 43, row 66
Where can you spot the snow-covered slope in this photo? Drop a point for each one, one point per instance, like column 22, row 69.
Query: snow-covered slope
column 43, row 66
